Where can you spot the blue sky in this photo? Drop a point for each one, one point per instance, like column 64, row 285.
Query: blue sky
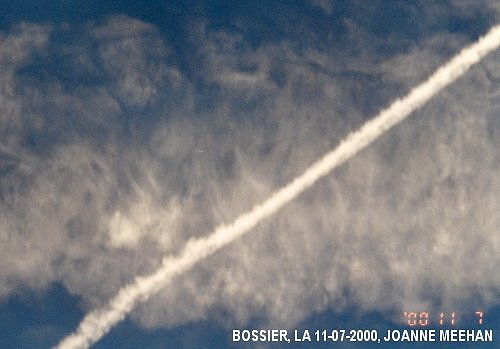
column 127, row 128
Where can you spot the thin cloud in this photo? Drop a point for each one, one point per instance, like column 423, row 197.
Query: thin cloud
column 108, row 177
column 98, row 322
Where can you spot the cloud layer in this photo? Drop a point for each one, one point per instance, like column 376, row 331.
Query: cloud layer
column 112, row 156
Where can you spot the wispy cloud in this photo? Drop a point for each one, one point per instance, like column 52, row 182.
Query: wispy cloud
column 118, row 154
column 100, row 321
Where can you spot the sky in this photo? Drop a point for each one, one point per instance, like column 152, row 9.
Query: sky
column 128, row 128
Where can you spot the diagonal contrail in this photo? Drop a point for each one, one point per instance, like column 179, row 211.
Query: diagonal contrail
column 98, row 322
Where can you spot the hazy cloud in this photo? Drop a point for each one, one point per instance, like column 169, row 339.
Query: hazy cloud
column 112, row 156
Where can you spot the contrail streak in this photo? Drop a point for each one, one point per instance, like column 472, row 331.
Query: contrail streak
column 98, row 322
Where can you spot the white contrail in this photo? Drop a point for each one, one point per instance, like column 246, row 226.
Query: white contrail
column 98, row 322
